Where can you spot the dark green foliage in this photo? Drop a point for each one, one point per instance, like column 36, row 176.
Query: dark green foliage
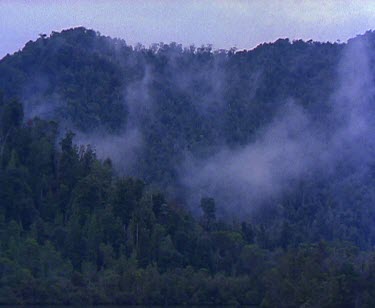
column 208, row 207
column 181, row 99
column 73, row 232
column 11, row 116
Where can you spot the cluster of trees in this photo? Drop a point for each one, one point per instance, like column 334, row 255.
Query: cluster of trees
column 180, row 99
column 73, row 231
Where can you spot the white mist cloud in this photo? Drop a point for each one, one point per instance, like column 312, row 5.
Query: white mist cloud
column 293, row 146
column 243, row 178
column 122, row 148
column 354, row 103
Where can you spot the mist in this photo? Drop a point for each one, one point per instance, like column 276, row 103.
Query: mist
column 175, row 86
column 192, row 172
column 294, row 146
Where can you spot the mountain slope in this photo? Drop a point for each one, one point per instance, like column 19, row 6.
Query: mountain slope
column 256, row 173
column 194, row 99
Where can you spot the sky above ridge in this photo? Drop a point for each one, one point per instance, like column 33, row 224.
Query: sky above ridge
column 224, row 24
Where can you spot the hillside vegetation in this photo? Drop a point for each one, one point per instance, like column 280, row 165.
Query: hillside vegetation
column 170, row 175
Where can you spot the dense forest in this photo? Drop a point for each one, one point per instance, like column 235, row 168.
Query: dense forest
column 185, row 175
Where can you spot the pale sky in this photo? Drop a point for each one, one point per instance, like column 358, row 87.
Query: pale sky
column 222, row 23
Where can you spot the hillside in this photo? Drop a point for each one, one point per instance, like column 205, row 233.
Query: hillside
column 179, row 99
column 185, row 175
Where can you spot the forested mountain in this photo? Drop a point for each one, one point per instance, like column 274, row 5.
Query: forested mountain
column 179, row 99
column 171, row 175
